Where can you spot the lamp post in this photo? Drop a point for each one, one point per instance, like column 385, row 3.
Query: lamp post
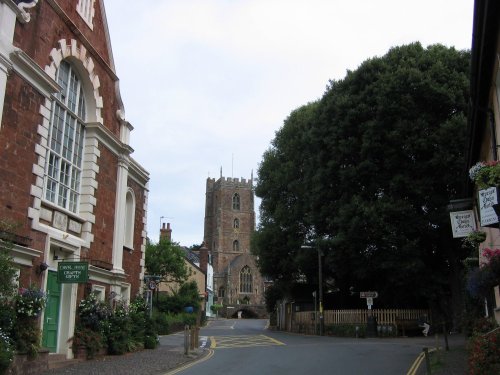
column 320, row 288
column 315, row 313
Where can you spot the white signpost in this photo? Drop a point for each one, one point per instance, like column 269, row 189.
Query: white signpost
column 369, row 298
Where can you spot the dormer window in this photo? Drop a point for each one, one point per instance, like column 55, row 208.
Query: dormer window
column 85, row 8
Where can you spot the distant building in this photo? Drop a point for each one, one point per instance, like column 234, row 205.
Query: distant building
column 229, row 224
column 68, row 181
column 192, row 262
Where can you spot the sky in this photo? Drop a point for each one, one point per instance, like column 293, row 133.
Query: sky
column 207, row 83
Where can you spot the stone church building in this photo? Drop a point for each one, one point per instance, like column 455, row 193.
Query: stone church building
column 229, row 224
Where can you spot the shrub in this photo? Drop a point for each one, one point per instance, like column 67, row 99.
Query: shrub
column 26, row 336
column 161, row 322
column 6, row 352
column 92, row 312
column 484, row 352
column 170, row 323
column 151, row 342
column 346, row 330
column 119, row 333
column 7, row 316
column 187, row 295
column 91, row 340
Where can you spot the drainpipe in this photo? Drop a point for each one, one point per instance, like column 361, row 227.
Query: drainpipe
column 491, row 117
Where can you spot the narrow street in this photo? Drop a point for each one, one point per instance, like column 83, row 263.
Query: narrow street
column 247, row 347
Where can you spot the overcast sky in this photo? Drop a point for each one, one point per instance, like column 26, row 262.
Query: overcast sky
column 207, row 83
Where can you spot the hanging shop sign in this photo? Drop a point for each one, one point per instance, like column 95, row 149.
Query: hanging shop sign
column 462, row 223
column 488, row 201
column 72, row 272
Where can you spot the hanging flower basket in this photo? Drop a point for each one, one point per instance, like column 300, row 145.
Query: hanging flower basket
column 474, row 238
column 30, row 302
column 485, row 174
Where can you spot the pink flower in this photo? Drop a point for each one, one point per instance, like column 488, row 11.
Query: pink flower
column 489, row 254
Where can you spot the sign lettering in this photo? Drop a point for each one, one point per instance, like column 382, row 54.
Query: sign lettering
column 72, row 272
column 487, row 199
column 368, row 294
column 462, row 223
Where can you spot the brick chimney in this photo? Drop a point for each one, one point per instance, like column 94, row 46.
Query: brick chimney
column 166, row 233
column 203, row 257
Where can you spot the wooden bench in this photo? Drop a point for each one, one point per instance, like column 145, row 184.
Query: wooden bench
column 407, row 324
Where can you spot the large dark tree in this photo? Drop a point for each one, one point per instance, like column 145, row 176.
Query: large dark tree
column 366, row 172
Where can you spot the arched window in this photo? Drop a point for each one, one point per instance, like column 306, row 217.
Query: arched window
column 236, row 201
column 236, row 245
column 129, row 220
column 66, row 134
column 236, row 223
column 246, row 280
column 222, row 292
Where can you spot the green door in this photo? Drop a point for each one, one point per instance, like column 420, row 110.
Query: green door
column 51, row 317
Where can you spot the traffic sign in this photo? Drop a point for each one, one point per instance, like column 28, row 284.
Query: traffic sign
column 368, row 294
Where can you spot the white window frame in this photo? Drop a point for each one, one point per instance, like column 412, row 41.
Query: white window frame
column 85, row 9
column 64, row 159
column 128, row 240
column 99, row 291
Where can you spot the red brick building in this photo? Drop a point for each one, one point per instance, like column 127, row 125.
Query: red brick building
column 69, row 188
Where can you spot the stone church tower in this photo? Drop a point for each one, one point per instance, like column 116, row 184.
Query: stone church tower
column 229, row 224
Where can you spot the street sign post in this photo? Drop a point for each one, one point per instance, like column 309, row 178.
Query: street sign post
column 369, row 302
column 368, row 294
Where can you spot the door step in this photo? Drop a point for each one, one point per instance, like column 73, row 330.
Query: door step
column 59, row 360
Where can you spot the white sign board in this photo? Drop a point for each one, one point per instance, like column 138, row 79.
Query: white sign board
column 462, row 223
column 368, row 294
column 487, row 199
column 369, row 302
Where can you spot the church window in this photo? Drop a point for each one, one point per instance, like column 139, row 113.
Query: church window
column 236, row 201
column 236, row 223
column 66, row 133
column 236, row 245
column 246, row 280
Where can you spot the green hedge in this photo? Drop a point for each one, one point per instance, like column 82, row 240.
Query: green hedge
column 170, row 323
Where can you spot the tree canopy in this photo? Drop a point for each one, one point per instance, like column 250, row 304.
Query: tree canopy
column 166, row 260
column 366, row 173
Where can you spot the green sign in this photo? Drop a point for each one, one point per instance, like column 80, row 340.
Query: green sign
column 72, row 272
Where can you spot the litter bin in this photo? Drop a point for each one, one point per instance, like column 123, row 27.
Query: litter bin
column 371, row 327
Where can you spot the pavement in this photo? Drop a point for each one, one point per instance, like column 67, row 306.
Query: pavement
column 447, row 362
column 170, row 355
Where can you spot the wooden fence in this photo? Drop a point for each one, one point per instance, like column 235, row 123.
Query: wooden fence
column 384, row 316
column 305, row 320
